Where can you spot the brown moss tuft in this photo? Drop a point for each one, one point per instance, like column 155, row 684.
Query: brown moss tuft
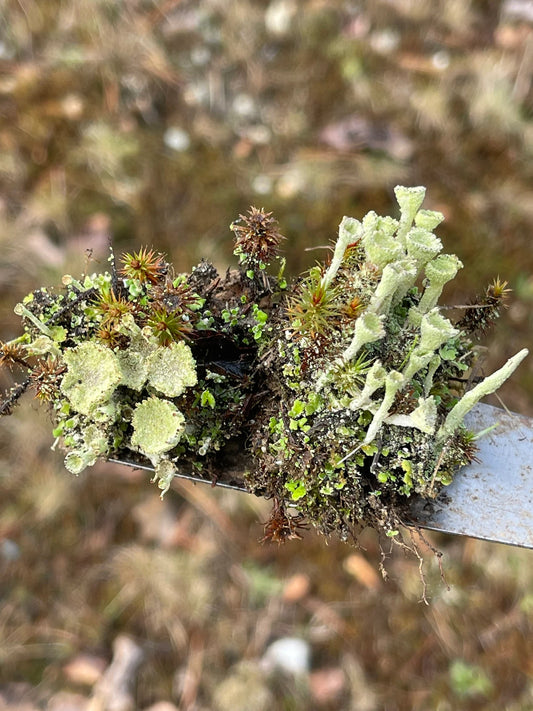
column 257, row 238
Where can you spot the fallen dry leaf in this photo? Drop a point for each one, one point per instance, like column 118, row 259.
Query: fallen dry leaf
column 327, row 685
column 360, row 569
column 296, row 587
column 84, row 669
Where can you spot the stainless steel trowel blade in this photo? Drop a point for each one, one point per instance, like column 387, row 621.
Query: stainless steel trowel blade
column 492, row 498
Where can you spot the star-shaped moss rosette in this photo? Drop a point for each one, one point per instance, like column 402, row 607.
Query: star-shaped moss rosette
column 341, row 395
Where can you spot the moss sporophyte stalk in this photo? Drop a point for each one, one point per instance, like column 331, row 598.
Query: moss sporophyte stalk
column 340, row 395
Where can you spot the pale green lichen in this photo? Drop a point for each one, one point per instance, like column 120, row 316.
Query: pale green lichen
column 422, row 246
column 396, row 279
column 165, row 472
column 375, row 379
column 428, row 219
column 55, row 333
column 393, row 382
column 93, row 444
column 134, row 368
column 439, row 272
column 141, row 340
column 171, row 370
column 409, row 200
column 133, row 360
column 77, row 460
column 43, row 345
column 168, row 369
column 435, row 330
column 390, row 371
column 368, row 329
column 381, row 248
column 349, row 231
column 487, row 386
column 107, row 411
column 157, row 427
column 93, row 373
column 423, row 417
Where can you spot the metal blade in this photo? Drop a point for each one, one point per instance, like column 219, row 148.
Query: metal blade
column 491, row 499
column 233, row 485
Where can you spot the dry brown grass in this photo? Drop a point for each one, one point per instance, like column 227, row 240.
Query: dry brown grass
column 314, row 117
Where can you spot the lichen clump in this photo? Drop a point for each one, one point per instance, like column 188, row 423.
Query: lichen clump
column 373, row 380
column 340, row 396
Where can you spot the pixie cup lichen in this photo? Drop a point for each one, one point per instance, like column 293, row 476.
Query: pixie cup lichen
column 392, row 373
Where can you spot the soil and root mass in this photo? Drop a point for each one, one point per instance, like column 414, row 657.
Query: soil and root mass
column 338, row 396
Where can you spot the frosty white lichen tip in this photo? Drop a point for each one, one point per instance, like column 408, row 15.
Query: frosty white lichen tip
column 409, row 200
column 349, row 231
column 439, row 271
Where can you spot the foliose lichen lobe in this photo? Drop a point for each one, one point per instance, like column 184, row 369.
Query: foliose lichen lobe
column 157, row 427
column 93, row 373
column 344, row 393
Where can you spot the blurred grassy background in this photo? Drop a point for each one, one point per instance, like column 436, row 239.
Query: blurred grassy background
column 157, row 123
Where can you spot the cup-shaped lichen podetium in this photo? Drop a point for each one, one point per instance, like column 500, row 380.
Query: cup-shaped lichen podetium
column 380, row 247
column 439, row 271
